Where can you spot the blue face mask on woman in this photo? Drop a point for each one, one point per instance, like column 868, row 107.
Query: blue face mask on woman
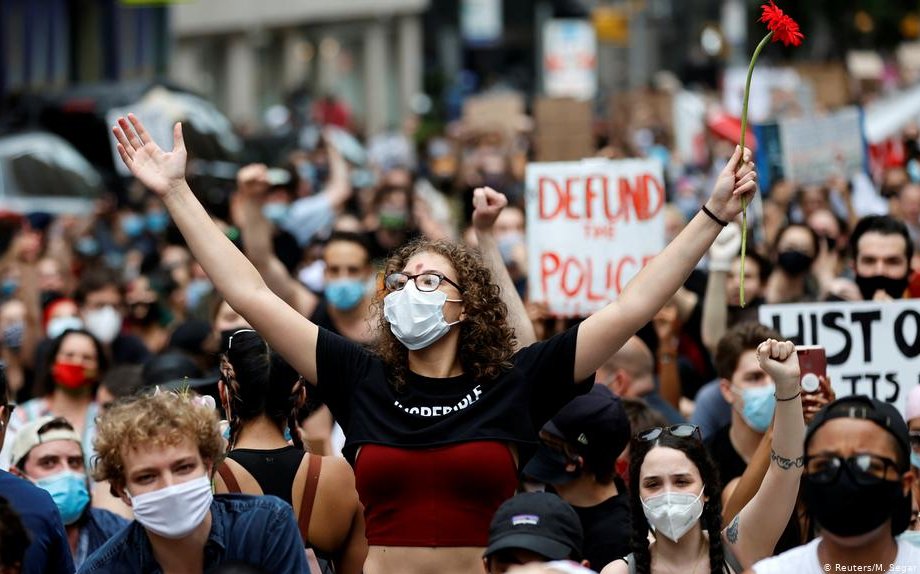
column 759, row 405
column 345, row 294
column 69, row 492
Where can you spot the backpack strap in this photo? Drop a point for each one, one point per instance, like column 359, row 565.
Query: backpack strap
column 237, row 479
column 305, row 484
column 233, row 487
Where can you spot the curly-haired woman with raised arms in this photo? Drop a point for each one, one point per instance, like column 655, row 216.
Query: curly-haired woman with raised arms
column 434, row 416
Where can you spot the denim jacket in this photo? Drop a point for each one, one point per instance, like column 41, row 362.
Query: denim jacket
column 256, row 530
column 96, row 527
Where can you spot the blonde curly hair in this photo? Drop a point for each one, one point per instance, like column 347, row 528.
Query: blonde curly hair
column 161, row 419
column 486, row 338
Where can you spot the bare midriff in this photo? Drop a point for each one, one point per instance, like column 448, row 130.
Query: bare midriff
column 418, row 560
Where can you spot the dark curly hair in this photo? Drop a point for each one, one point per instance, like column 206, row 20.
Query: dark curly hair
column 712, row 509
column 486, row 339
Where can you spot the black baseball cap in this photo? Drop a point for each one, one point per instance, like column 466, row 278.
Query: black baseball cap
column 174, row 370
column 883, row 414
column 537, row 521
column 595, row 425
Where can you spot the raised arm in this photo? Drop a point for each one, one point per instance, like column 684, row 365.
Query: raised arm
column 488, row 203
column 233, row 275
column 754, row 532
column 601, row 334
column 252, row 184
column 338, row 189
column 715, row 301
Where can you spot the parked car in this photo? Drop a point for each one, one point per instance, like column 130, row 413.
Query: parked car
column 39, row 171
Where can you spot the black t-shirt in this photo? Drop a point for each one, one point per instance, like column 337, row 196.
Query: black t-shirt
column 723, row 453
column 608, row 529
column 274, row 470
column 322, row 318
column 430, row 412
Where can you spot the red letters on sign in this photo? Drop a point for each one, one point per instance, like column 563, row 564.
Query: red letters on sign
column 574, row 198
column 574, row 276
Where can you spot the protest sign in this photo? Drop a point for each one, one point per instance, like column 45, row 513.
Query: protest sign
column 564, row 129
column 569, row 59
column 500, row 111
column 591, row 226
column 873, row 348
column 819, row 147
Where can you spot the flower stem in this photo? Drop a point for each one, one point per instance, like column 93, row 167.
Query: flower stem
column 744, row 113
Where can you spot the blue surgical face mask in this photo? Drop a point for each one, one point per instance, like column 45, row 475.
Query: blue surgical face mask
column 345, row 294
column 69, row 492
column 8, row 287
column 157, row 221
column 275, row 212
column 132, row 225
column 87, row 246
column 759, row 404
column 914, row 459
column 910, row 536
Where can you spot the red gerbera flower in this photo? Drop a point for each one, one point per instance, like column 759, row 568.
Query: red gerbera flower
column 784, row 28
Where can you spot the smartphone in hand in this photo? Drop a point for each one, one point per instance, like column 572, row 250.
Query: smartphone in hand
column 812, row 366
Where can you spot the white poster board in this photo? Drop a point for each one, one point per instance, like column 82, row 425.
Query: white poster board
column 872, row 348
column 818, row 147
column 569, row 59
column 591, row 226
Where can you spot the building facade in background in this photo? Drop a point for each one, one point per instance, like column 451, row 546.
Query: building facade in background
column 248, row 56
column 49, row 45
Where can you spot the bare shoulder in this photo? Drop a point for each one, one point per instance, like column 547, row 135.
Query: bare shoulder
column 616, row 567
column 338, row 478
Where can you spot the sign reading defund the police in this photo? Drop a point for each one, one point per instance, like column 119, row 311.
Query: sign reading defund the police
column 872, row 348
column 591, row 226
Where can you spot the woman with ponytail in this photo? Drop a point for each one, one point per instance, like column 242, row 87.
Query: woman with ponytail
column 676, row 495
column 261, row 394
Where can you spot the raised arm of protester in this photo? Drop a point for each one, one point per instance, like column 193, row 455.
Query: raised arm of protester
column 604, row 332
column 163, row 172
column 715, row 301
column 487, row 204
column 251, row 186
column 740, row 491
column 754, row 532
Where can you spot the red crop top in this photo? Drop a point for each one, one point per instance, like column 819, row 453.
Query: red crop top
column 443, row 496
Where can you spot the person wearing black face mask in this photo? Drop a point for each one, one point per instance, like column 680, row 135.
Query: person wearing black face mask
column 790, row 281
column 882, row 252
column 857, row 487
column 577, row 458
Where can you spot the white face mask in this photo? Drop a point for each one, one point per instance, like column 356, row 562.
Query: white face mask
column 417, row 318
column 58, row 325
column 174, row 511
column 103, row 323
column 673, row 513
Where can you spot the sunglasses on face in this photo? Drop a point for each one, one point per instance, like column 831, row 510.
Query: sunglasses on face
column 679, row 431
column 865, row 469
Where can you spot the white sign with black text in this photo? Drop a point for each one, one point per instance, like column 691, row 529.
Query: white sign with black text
column 873, row 348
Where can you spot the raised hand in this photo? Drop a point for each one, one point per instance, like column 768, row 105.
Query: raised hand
column 487, row 204
column 778, row 359
column 252, row 181
column 725, row 248
column 737, row 180
column 158, row 170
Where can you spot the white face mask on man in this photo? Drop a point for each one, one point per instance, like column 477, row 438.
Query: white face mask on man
column 673, row 514
column 175, row 511
column 104, row 323
column 417, row 318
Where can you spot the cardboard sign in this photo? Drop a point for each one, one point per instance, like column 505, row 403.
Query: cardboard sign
column 872, row 348
column 591, row 226
column 564, row 129
column 816, row 148
column 500, row 111
column 569, row 59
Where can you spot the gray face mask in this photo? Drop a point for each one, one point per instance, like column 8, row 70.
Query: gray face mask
column 417, row 318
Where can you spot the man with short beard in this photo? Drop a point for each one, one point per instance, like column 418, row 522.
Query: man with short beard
column 882, row 250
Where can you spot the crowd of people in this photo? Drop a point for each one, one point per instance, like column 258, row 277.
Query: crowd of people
column 327, row 373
